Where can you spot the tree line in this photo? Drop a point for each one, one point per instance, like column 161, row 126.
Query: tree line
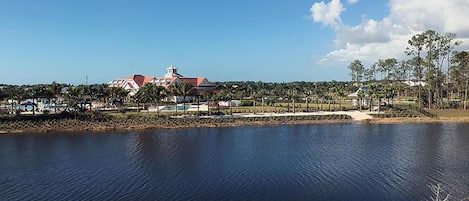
column 77, row 98
column 435, row 74
column 81, row 97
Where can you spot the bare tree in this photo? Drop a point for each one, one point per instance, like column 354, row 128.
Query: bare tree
column 438, row 194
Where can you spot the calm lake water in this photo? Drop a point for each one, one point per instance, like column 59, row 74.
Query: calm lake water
column 304, row 162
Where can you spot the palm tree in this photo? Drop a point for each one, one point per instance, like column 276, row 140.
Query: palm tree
column 152, row 93
column 18, row 93
column 261, row 93
column 103, row 93
column 118, row 96
column 341, row 93
column 3, row 93
column 380, row 94
column 7, row 92
column 306, row 94
column 229, row 96
column 291, row 96
column 254, row 96
column 75, row 98
column 55, row 89
column 140, row 97
column 88, row 93
column 331, row 94
column 372, row 92
column 222, row 95
column 198, row 95
column 208, row 94
column 37, row 91
column 360, row 95
column 319, row 93
column 174, row 91
column 183, row 89
column 159, row 93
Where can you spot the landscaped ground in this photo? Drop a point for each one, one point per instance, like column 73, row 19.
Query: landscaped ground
column 450, row 112
column 241, row 116
column 100, row 122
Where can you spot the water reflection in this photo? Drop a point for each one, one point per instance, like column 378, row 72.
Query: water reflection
column 302, row 162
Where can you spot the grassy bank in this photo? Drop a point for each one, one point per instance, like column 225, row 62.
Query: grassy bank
column 103, row 122
column 404, row 114
column 449, row 112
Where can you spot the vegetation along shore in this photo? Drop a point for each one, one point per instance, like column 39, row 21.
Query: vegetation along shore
column 98, row 122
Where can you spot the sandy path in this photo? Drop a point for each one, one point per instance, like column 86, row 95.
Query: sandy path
column 356, row 115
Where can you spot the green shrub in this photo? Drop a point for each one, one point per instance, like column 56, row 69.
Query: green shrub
column 246, row 103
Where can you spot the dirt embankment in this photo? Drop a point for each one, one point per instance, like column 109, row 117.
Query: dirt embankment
column 127, row 123
column 69, row 125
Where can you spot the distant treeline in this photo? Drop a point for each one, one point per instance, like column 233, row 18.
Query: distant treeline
column 439, row 74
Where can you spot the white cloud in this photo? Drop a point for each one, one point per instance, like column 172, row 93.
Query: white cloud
column 375, row 39
column 327, row 13
column 352, row 1
column 444, row 16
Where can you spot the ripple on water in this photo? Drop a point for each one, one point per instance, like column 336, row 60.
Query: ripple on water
column 304, row 162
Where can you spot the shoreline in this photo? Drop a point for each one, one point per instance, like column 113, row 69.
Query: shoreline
column 70, row 126
column 403, row 120
column 163, row 127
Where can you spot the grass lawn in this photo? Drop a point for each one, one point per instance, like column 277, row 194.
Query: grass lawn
column 299, row 107
column 449, row 112
column 280, row 107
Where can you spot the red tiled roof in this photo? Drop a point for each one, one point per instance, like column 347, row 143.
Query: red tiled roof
column 147, row 79
column 192, row 81
column 200, row 80
column 139, row 79
column 195, row 82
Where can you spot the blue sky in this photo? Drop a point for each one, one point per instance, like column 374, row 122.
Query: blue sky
column 277, row 40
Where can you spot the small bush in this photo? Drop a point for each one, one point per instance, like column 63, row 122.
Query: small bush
column 246, row 103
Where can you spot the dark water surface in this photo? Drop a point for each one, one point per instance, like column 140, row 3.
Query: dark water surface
column 305, row 162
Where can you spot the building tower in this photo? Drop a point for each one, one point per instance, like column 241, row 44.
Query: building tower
column 172, row 72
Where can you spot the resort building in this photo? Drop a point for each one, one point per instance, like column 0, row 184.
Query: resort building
column 134, row 82
column 131, row 84
column 172, row 76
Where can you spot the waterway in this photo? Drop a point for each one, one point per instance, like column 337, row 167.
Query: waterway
column 349, row 161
